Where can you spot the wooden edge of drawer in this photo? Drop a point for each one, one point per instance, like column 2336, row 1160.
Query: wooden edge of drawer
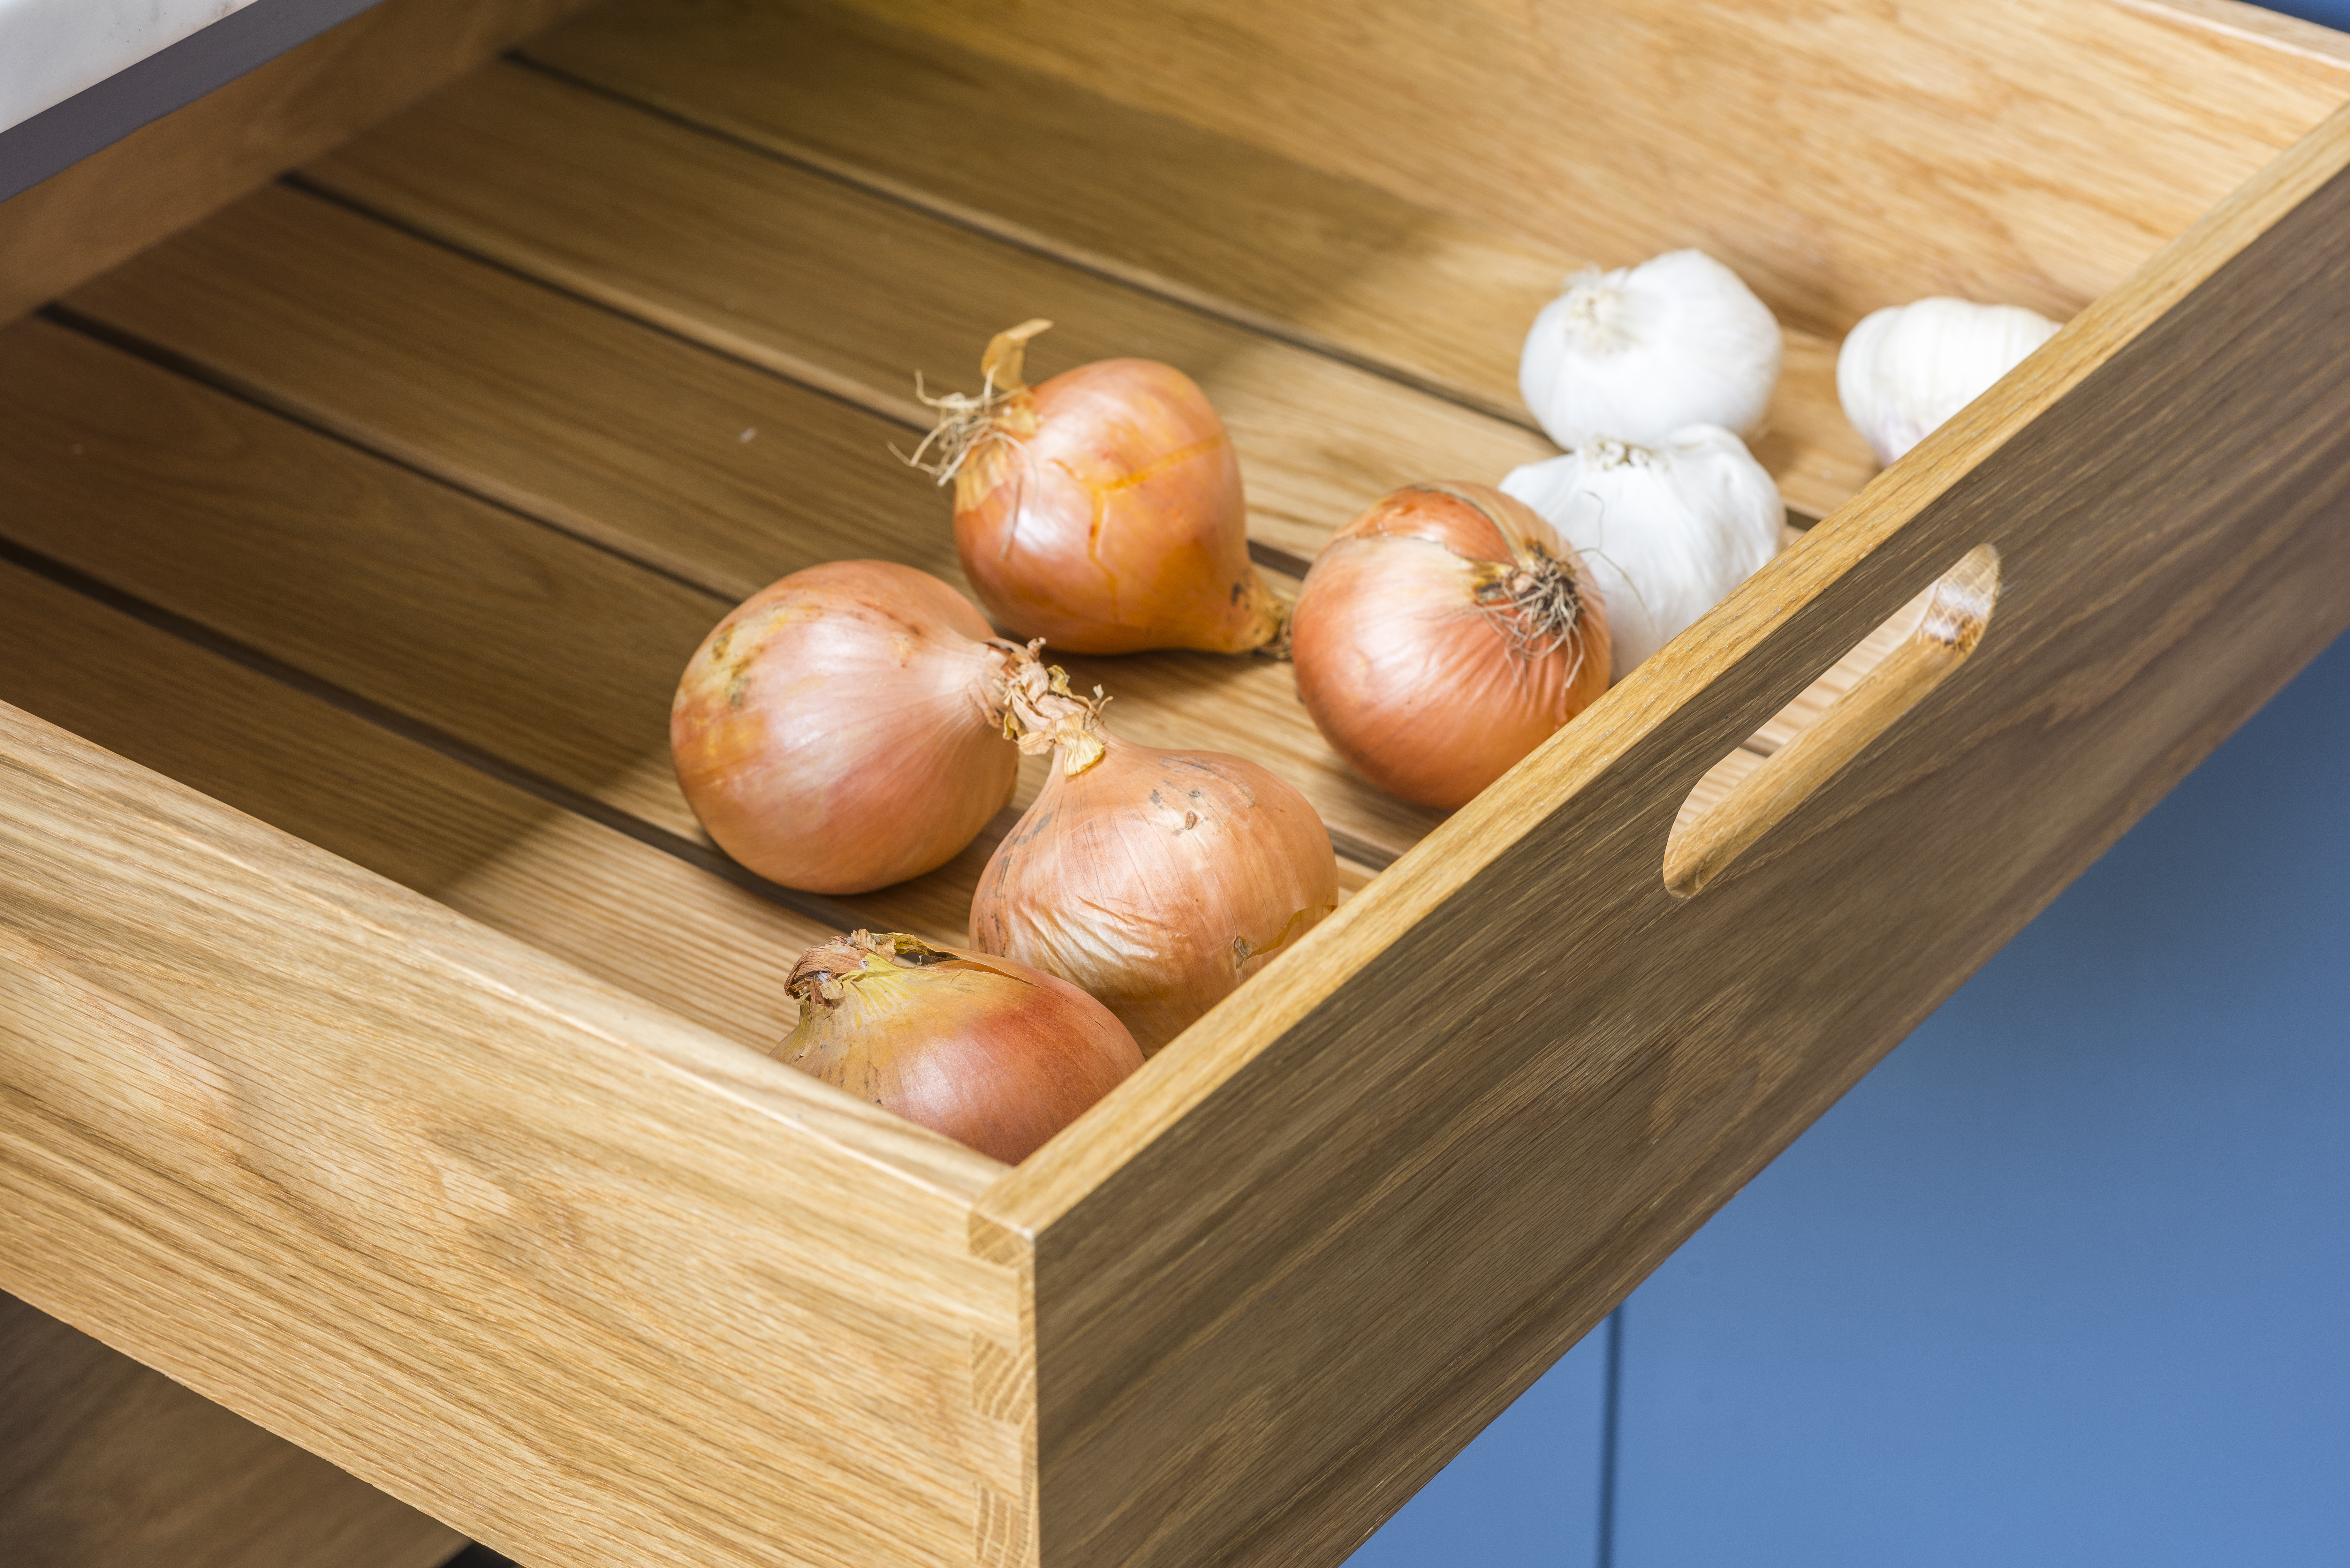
column 565, row 1272
column 1472, row 1108
column 173, row 171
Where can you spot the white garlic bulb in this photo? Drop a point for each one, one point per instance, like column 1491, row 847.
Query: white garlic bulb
column 1667, row 530
column 1639, row 352
column 1905, row 369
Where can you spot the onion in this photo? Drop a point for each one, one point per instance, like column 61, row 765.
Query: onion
column 988, row 1051
column 1443, row 634
column 1102, row 511
column 1156, row 880
column 840, row 730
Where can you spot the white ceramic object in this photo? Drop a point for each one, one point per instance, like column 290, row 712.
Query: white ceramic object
column 52, row 49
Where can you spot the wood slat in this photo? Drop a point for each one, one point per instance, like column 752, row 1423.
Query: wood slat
column 567, row 412
column 510, row 636
column 853, row 294
column 105, row 1464
column 166, row 175
column 724, row 475
column 670, row 933
column 1197, row 215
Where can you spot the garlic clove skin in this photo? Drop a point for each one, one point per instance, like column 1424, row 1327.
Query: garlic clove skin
column 1643, row 351
column 1906, row 370
column 1667, row 530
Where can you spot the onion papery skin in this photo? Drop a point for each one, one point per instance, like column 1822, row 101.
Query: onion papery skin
column 834, row 732
column 991, row 1052
column 1103, row 512
column 1157, row 881
column 1415, row 669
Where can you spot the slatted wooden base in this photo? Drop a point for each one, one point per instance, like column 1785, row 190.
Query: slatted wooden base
column 386, row 504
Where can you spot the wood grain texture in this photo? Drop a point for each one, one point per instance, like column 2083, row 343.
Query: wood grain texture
column 1211, row 218
column 851, row 294
column 2256, row 25
column 115, row 203
column 615, row 433
column 1702, row 848
column 600, row 1286
column 591, row 1283
column 1286, row 1271
column 726, row 476
column 501, row 632
column 106, row 1464
column 1840, row 158
column 649, row 923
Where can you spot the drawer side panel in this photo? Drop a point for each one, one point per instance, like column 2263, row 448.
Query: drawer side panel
column 1333, row 1230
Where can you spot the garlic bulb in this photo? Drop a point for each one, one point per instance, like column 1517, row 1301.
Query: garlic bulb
column 1903, row 370
column 1639, row 352
column 1667, row 530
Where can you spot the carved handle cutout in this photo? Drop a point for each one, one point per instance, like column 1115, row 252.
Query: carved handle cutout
column 1809, row 742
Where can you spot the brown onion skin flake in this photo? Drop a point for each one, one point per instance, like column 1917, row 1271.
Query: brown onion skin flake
column 989, row 1052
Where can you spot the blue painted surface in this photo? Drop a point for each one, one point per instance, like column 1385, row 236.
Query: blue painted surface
column 2065, row 1280
column 1525, row 1494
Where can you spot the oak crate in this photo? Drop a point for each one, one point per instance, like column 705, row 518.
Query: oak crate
column 381, row 1044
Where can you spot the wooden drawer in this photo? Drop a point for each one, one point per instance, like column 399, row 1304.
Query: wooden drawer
column 420, row 1115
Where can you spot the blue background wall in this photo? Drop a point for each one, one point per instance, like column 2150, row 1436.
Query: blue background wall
column 2065, row 1280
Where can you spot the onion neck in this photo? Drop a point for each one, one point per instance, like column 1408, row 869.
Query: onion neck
column 1004, row 410
column 822, row 977
column 1037, row 708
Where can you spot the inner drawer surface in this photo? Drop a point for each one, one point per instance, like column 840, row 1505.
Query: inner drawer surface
column 458, row 440
column 453, row 445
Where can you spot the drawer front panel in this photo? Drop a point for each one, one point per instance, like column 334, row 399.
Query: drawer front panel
column 582, row 1280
